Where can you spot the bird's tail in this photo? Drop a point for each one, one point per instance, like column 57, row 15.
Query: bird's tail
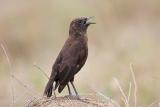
column 49, row 86
column 48, row 89
column 61, row 87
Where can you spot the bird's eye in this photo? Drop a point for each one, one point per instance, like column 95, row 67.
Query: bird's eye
column 81, row 22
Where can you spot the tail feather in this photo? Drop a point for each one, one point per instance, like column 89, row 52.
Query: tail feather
column 60, row 88
column 49, row 86
column 48, row 89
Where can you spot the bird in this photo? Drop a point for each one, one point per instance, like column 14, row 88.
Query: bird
column 71, row 58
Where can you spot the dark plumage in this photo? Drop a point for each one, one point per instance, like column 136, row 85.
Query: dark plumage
column 71, row 58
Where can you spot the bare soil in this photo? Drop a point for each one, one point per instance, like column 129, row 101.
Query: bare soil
column 84, row 101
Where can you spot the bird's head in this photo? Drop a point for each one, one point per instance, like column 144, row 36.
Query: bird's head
column 78, row 26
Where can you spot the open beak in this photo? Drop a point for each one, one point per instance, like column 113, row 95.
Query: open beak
column 89, row 22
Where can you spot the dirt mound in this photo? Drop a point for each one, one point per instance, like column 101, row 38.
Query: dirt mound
column 85, row 101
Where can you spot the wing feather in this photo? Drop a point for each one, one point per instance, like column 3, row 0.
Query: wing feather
column 69, row 64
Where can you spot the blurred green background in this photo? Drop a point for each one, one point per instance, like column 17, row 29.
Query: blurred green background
column 126, row 31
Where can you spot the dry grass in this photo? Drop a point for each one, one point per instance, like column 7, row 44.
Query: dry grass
column 93, row 100
column 11, row 72
column 13, row 77
column 41, row 70
column 126, row 98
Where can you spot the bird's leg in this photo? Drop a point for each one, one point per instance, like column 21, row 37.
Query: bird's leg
column 69, row 90
column 75, row 90
column 54, row 91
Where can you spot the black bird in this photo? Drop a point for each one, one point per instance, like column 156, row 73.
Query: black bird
column 71, row 58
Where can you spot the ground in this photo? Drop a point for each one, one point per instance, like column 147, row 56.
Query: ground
column 93, row 100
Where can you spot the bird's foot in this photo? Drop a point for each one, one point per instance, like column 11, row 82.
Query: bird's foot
column 53, row 97
column 77, row 97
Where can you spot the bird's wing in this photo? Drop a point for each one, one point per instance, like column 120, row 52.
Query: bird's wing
column 82, row 58
column 69, row 63
column 57, row 62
